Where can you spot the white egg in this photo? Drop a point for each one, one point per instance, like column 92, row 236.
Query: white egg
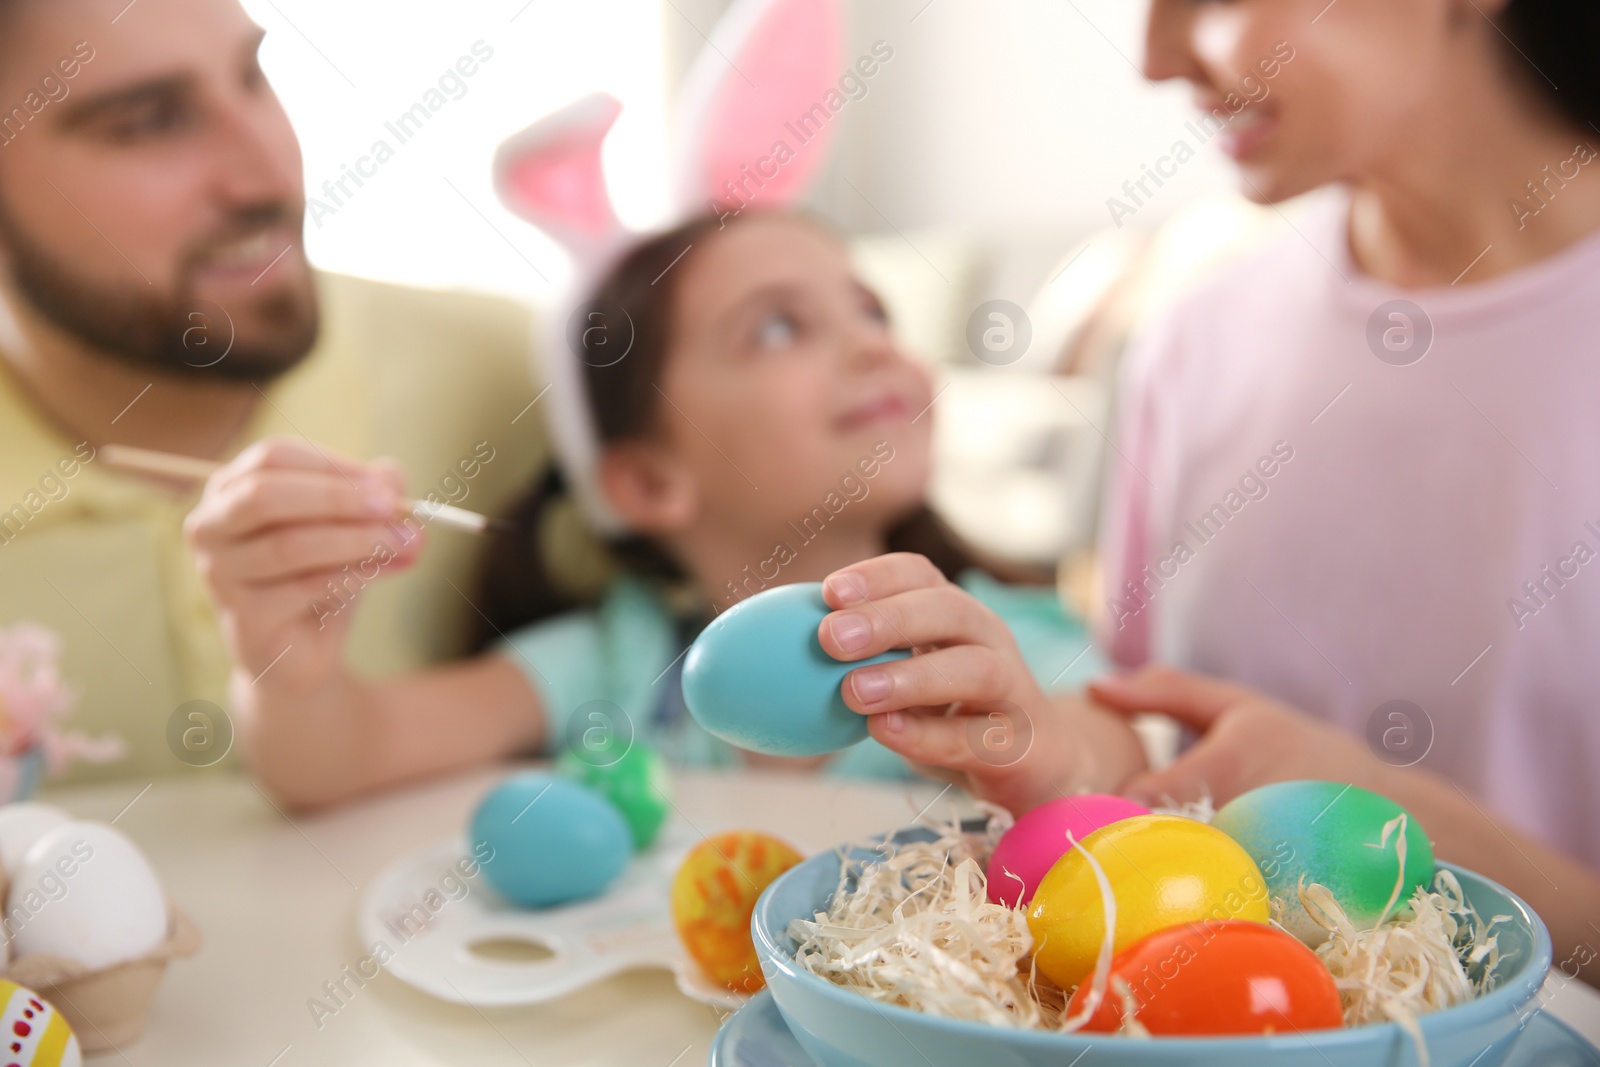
column 23, row 824
column 86, row 892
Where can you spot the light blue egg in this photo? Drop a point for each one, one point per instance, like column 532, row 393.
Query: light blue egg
column 757, row 677
column 552, row 840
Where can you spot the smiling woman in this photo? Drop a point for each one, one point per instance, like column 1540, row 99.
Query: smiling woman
column 1429, row 351
column 1253, row 87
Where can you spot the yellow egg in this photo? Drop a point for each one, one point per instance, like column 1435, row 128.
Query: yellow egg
column 713, row 895
column 32, row 1032
column 1163, row 870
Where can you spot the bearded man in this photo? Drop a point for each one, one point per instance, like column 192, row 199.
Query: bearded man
column 154, row 293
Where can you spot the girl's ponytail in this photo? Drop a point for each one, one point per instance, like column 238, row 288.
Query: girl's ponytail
column 516, row 586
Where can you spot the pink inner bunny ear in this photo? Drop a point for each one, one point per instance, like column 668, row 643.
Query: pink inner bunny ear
column 759, row 105
column 551, row 175
column 566, row 182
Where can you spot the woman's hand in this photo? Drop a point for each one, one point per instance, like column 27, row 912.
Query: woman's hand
column 1246, row 739
column 966, row 703
column 272, row 530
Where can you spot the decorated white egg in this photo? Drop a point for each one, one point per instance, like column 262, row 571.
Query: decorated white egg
column 33, row 1033
column 85, row 892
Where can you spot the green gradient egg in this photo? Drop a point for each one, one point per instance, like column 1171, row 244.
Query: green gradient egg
column 636, row 783
column 1330, row 833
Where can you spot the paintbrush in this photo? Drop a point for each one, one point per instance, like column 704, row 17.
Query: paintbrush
column 168, row 465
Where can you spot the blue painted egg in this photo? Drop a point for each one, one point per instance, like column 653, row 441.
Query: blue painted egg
column 549, row 840
column 1334, row 834
column 757, row 677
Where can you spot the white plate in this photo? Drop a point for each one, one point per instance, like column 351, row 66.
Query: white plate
column 629, row 926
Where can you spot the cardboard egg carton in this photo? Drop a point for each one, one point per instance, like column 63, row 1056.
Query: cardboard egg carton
column 108, row 1007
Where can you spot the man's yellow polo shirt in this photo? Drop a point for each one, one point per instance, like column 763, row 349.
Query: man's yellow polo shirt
column 435, row 380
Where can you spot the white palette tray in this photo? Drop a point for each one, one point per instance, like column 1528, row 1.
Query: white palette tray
column 629, row 926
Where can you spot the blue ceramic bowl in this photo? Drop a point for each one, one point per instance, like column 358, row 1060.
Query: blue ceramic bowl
column 838, row 1028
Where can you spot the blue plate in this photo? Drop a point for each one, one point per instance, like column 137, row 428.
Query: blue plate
column 756, row 1036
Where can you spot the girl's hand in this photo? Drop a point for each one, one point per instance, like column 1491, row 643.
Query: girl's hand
column 966, row 703
column 1246, row 739
column 272, row 530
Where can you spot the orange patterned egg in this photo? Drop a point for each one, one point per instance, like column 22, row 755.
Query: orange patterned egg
column 713, row 895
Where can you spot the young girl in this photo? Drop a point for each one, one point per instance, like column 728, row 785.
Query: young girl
column 763, row 428
column 1359, row 468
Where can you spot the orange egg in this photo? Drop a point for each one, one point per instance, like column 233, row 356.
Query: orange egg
column 713, row 895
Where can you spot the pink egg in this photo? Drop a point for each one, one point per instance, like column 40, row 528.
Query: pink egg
column 1030, row 848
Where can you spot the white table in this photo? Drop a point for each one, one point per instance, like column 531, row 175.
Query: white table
column 275, row 900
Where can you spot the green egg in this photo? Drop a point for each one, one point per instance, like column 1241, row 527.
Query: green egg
column 1330, row 833
column 636, row 783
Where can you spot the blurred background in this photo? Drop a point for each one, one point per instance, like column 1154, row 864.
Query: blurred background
column 977, row 167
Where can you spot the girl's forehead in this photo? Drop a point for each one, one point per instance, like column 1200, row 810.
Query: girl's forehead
column 756, row 258
column 760, row 253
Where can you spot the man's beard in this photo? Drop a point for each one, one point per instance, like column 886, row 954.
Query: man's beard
column 175, row 334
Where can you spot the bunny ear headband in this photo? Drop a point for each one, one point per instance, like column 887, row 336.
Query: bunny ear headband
column 751, row 129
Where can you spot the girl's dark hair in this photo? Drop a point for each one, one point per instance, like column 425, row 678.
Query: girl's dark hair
column 519, row 585
column 1560, row 39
